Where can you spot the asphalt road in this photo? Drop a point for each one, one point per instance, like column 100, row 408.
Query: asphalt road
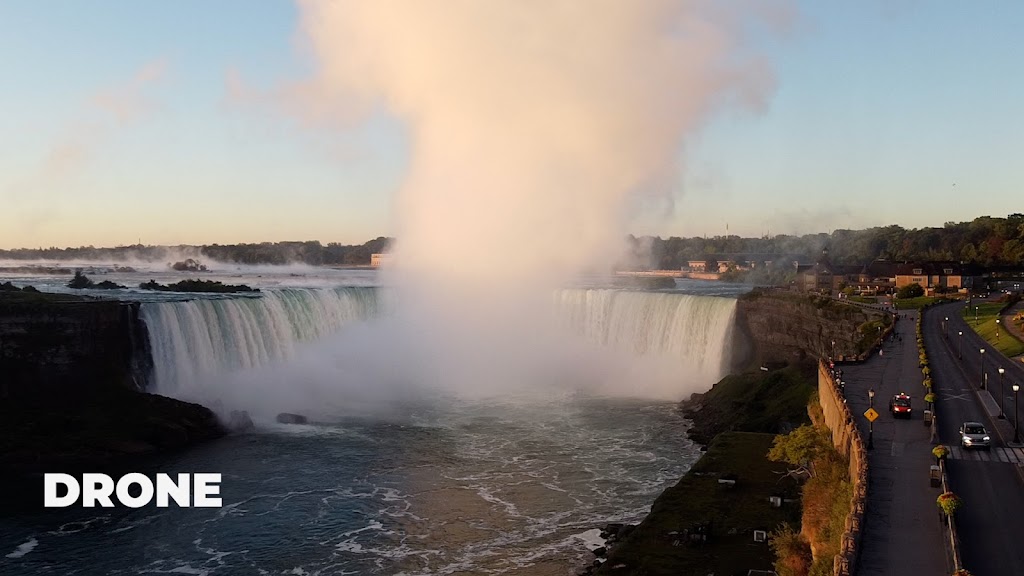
column 991, row 522
column 902, row 533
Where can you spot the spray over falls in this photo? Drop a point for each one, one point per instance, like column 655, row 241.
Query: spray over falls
column 297, row 348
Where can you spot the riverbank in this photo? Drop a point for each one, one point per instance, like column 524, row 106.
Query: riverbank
column 706, row 522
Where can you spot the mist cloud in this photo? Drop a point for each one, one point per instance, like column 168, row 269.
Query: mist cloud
column 535, row 127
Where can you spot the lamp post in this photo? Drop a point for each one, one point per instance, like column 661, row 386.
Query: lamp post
column 1016, row 436
column 997, row 329
column 975, row 315
column 983, row 369
column 1001, row 415
column 871, row 425
column 945, row 327
column 960, row 351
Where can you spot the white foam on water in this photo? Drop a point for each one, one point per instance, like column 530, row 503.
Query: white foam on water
column 24, row 548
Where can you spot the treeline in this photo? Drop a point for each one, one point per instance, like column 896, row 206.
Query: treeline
column 986, row 241
column 312, row 252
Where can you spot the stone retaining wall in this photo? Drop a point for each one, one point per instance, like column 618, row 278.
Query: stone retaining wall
column 848, row 441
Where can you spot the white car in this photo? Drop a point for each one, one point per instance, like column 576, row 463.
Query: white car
column 974, row 435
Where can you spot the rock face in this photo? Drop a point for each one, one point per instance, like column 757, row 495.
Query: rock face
column 288, row 418
column 71, row 375
column 777, row 327
column 48, row 345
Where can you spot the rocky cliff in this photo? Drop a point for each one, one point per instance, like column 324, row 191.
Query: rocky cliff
column 50, row 343
column 777, row 326
column 72, row 371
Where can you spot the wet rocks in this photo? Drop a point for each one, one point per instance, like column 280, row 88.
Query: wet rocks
column 289, row 418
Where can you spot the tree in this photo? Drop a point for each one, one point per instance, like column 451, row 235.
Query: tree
column 800, row 448
column 910, row 291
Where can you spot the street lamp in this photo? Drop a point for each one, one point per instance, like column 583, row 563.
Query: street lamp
column 945, row 327
column 983, row 369
column 1001, row 415
column 871, row 424
column 975, row 315
column 1016, row 437
column 997, row 329
column 960, row 352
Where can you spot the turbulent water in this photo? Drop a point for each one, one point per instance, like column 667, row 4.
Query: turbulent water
column 439, row 485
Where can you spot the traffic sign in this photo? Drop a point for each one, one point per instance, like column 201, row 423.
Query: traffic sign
column 871, row 415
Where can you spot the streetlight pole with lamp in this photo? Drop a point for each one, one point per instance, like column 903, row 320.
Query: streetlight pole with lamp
column 871, row 424
column 945, row 327
column 960, row 352
column 1001, row 415
column 983, row 387
column 997, row 329
column 1016, row 436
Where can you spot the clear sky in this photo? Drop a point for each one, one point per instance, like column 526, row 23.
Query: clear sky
column 118, row 124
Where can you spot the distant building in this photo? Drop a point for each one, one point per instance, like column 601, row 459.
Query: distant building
column 378, row 260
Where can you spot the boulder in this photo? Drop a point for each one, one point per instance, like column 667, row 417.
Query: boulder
column 289, row 418
column 239, row 421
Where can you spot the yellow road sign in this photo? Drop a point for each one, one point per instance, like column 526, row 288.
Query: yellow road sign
column 871, row 415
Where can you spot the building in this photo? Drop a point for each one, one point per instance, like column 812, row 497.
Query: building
column 378, row 260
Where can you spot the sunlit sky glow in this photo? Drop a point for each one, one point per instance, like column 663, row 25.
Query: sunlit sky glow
column 120, row 122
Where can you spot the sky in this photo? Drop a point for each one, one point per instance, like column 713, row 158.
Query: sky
column 125, row 122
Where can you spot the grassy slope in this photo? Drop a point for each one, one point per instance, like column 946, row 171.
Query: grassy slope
column 651, row 549
column 986, row 327
column 753, row 402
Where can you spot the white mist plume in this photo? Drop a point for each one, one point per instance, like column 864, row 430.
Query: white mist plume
column 532, row 124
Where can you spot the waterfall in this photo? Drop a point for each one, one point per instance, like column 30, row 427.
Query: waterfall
column 196, row 339
column 200, row 341
column 693, row 332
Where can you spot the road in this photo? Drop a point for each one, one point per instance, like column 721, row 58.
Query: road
column 991, row 523
column 902, row 533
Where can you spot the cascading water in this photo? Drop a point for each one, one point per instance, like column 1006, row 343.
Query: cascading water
column 197, row 339
column 691, row 332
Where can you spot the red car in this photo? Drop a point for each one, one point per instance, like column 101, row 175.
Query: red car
column 900, row 406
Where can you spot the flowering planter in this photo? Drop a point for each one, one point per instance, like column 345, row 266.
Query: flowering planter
column 948, row 503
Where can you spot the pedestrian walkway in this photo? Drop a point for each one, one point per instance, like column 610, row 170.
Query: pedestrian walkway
column 1011, row 455
column 901, row 532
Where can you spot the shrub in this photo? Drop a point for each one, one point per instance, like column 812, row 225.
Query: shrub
column 929, row 397
column 792, row 551
column 940, row 452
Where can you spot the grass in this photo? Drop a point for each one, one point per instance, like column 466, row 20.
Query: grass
column 864, row 299
column 986, row 327
column 754, row 402
column 657, row 546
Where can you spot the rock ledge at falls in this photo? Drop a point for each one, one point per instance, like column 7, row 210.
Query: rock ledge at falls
column 70, row 396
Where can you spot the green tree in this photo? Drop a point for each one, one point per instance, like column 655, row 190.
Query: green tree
column 800, row 448
column 910, row 291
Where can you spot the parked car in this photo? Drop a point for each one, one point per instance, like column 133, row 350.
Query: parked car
column 900, row 407
column 974, row 435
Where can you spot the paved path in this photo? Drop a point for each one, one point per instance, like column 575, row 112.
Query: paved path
column 991, row 523
column 902, row 532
